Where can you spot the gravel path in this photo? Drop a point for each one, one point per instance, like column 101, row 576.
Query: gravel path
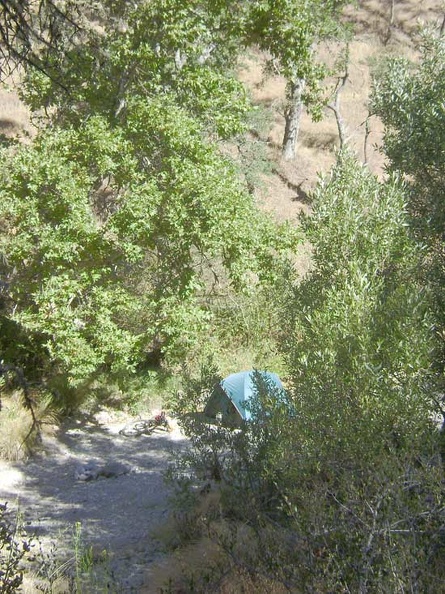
column 118, row 514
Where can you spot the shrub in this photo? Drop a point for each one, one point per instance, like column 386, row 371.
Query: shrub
column 342, row 492
column 14, row 548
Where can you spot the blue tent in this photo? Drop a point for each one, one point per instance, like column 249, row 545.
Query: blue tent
column 233, row 396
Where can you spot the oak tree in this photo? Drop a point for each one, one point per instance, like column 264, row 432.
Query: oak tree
column 290, row 31
column 122, row 218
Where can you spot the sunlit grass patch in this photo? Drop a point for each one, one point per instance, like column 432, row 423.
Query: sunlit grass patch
column 17, row 429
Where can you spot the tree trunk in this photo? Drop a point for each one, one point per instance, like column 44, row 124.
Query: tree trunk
column 293, row 116
column 390, row 23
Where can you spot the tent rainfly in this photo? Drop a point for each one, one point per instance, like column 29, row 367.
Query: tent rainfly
column 230, row 398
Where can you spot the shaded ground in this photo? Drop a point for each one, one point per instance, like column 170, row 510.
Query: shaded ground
column 116, row 514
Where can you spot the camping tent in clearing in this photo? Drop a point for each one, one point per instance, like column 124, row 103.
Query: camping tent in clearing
column 230, row 398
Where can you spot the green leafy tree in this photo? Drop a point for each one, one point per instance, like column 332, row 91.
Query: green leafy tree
column 409, row 99
column 360, row 351
column 102, row 274
column 166, row 48
column 290, row 32
column 360, row 348
column 122, row 215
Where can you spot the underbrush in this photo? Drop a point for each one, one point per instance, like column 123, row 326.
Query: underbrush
column 20, row 428
column 203, row 549
column 279, row 513
column 281, row 525
column 248, row 327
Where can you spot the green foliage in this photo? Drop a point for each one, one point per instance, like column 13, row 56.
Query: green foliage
column 177, row 52
column 248, row 327
column 360, row 345
column 14, row 549
column 341, row 487
column 102, row 273
column 360, row 351
column 253, row 159
column 116, row 216
column 409, row 100
column 290, row 32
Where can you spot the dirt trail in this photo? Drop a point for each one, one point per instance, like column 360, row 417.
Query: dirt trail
column 117, row 514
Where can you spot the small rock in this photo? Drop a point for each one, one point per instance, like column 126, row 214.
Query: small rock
column 113, row 469
column 87, row 472
column 92, row 471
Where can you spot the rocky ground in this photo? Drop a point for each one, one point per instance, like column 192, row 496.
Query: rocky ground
column 116, row 511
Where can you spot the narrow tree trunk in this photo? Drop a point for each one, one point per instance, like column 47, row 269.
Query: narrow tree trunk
column 293, row 117
column 335, row 105
column 390, row 22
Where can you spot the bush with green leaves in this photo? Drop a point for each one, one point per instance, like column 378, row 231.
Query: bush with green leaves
column 360, row 338
column 360, row 347
column 408, row 97
column 343, row 491
column 14, row 548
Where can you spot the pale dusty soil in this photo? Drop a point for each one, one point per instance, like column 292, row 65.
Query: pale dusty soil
column 119, row 515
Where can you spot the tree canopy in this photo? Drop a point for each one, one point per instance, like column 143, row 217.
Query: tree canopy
column 290, row 32
column 409, row 97
column 122, row 214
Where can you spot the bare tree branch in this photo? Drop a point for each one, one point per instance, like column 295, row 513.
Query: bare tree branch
column 31, row 32
column 335, row 105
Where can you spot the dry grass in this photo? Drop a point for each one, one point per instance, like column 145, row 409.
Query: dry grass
column 206, row 559
column 189, row 554
column 32, row 583
column 374, row 16
column 16, row 424
column 178, row 570
column 15, row 117
column 203, row 567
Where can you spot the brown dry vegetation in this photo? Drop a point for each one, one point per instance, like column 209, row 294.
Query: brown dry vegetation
column 206, row 563
column 16, row 424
